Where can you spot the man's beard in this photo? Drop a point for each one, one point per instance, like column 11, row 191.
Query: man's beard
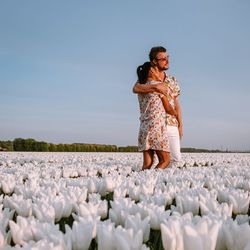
column 164, row 68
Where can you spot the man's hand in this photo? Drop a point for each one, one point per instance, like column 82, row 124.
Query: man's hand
column 161, row 88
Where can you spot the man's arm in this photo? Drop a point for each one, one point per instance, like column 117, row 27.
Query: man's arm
column 150, row 88
column 179, row 116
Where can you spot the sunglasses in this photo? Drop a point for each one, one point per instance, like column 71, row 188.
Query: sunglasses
column 163, row 59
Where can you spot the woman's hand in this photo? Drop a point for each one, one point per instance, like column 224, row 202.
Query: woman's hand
column 162, row 88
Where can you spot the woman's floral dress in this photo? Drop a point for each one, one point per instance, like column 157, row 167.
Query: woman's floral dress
column 153, row 127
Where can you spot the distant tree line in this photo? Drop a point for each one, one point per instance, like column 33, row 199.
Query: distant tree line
column 20, row 144
column 6, row 146
column 201, row 150
column 128, row 149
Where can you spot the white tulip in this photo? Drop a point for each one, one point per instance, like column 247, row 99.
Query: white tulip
column 208, row 231
column 134, row 192
column 75, row 194
column 94, row 198
column 103, row 209
column 120, row 192
column 127, row 239
column 81, row 235
column 105, row 236
column 44, row 212
column 221, row 242
column 161, row 199
column 109, row 184
column 186, row 203
column 93, row 220
column 5, row 238
column 8, row 184
column 157, row 215
column 240, row 202
column 200, row 236
column 21, row 231
column 191, row 238
column 5, row 215
column 168, row 238
column 115, row 216
column 48, row 231
column 226, row 209
column 93, row 186
column 236, row 236
column 88, row 209
column 209, row 205
column 63, row 207
column 136, row 223
column 223, row 195
column 40, row 245
column 68, row 238
column 172, row 235
column 22, row 206
column 67, row 209
column 45, row 245
column 119, row 205
column 158, row 199
column 148, row 188
column 30, row 189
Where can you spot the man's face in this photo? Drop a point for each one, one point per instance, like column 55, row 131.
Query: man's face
column 161, row 61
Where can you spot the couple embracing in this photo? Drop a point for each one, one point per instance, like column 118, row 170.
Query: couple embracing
column 160, row 114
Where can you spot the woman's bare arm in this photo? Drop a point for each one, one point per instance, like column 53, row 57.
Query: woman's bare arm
column 144, row 88
column 168, row 108
column 150, row 88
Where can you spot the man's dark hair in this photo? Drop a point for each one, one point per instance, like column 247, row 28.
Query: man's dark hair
column 142, row 72
column 154, row 51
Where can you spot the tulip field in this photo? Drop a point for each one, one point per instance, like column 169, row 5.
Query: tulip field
column 103, row 201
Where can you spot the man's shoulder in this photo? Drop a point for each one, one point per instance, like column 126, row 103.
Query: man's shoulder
column 171, row 77
column 173, row 84
column 171, row 80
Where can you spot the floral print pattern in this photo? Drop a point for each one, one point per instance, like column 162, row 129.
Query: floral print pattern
column 153, row 127
column 174, row 91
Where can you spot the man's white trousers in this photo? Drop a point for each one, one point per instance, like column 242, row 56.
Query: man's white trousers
column 174, row 145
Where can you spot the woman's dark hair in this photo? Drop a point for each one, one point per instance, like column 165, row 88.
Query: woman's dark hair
column 142, row 72
column 154, row 51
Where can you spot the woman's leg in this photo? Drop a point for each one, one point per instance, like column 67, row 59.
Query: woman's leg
column 148, row 158
column 164, row 159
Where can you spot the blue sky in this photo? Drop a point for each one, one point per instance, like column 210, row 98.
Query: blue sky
column 67, row 68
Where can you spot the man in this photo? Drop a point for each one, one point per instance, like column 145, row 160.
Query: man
column 159, row 59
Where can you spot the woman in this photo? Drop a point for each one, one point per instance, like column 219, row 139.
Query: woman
column 153, row 129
